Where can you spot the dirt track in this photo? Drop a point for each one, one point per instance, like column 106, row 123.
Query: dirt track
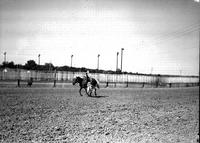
column 117, row 115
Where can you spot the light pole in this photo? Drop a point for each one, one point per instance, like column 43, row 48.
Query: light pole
column 39, row 59
column 199, row 45
column 4, row 57
column 117, row 61
column 151, row 70
column 71, row 59
column 98, row 61
column 122, row 49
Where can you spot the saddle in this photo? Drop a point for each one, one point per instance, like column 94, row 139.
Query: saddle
column 85, row 81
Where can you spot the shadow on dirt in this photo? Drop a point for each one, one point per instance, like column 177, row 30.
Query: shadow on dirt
column 98, row 96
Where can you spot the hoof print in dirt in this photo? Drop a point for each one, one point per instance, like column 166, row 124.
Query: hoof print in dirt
column 107, row 134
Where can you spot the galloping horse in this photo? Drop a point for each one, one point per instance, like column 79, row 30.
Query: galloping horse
column 83, row 84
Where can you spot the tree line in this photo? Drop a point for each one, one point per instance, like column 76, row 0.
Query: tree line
column 32, row 65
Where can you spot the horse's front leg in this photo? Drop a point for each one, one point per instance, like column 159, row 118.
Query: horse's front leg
column 80, row 91
column 95, row 91
column 90, row 92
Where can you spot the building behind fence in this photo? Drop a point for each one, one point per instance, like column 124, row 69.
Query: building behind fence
column 109, row 79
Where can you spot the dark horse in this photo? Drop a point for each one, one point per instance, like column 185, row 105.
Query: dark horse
column 83, row 84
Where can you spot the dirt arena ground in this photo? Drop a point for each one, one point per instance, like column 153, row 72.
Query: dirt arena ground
column 117, row 115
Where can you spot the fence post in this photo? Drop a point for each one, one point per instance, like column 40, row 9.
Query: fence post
column 127, row 81
column 143, row 85
column 116, row 79
column 18, row 78
column 54, row 82
column 106, row 80
column 157, row 81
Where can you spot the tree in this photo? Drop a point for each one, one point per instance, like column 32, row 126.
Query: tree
column 5, row 64
column 31, row 65
column 9, row 64
column 48, row 66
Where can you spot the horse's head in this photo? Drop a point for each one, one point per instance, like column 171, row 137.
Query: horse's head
column 74, row 80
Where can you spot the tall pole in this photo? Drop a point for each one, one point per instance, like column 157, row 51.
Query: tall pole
column 98, row 61
column 39, row 59
column 71, row 59
column 117, row 61
column 199, row 48
column 4, row 57
column 121, row 57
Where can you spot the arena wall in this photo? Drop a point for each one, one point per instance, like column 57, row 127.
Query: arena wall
column 67, row 76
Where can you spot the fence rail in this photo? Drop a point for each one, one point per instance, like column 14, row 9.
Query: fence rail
column 67, row 76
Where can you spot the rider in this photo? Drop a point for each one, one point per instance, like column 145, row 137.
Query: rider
column 88, row 83
column 87, row 77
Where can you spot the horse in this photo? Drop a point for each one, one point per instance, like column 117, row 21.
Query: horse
column 84, row 84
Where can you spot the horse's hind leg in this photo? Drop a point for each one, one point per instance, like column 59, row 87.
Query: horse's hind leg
column 95, row 91
column 80, row 91
column 88, row 92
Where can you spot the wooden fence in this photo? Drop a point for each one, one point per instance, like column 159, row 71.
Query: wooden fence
column 107, row 79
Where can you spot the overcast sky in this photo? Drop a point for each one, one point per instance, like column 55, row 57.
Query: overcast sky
column 158, row 36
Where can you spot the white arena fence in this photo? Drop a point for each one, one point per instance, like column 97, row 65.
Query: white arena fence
column 109, row 79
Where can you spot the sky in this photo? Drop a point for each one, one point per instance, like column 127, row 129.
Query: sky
column 158, row 36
